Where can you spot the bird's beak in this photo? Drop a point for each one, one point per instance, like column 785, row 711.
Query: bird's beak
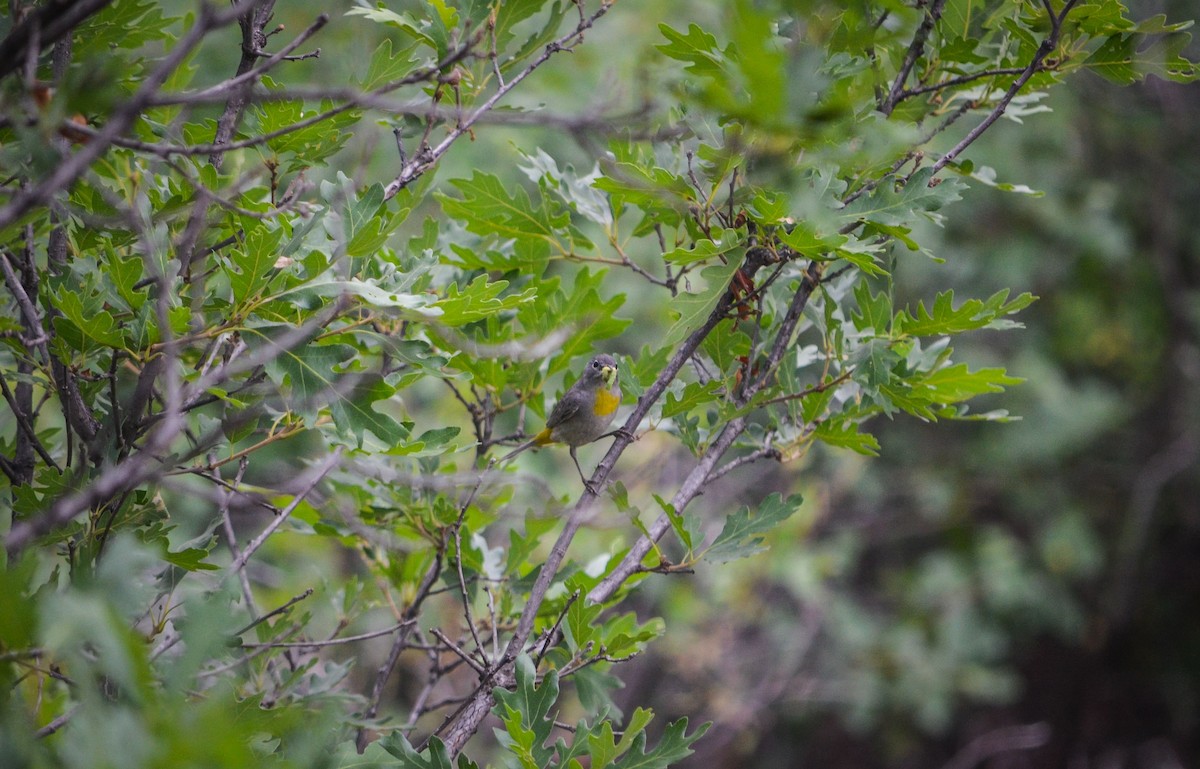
column 608, row 374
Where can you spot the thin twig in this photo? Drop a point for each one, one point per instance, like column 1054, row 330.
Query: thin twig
column 226, row 495
column 25, row 426
column 56, row 724
column 1047, row 46
column 316, row 475
column 425, row 156
column 915, row 49
column 330, row 642
column 398, row 645
column 459, row 726
column 273, row 613
column 960, row 80
column 458, row 650
column 762, row 453
column 252, row 75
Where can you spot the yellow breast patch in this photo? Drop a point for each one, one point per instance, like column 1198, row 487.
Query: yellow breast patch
column 606, row 402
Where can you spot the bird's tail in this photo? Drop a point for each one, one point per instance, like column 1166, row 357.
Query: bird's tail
column 526, row 445
column 541, row 439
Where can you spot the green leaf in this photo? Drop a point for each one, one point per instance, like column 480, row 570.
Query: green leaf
column 434, row 756
column 371, row 294
column 987, row 175
column 696, row 48
column 368, row 225
column 589, row 318
column 312, row 373
column 726, row 345
column 125, row 274
column 638, row 178
column 674, row 746
column 603, row 748
column 887, row 205
column 1123, row 60
column 578, row 627
column 873, row 363
column 943, row 318
column 190, row 559
column 846, row 434
column 525, row 712
column 252, row 264
column 511, row 13
column 694, row 395
column 952, row 384
column 693, row 309
column 680, row 523
column 804, row 239
column 522, row 546
column 301, row 148
column 308, row 370
column 354, row 414
column 539, row 39
column 431, row 28
column 727, row 242
column 874, row 311
column 577, row 192
column 487, row 208
column 479, row 300
column 84, row 327
column 387, row 65
column 744, row 531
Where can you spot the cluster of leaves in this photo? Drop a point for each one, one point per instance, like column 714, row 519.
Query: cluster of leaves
column 202, row 330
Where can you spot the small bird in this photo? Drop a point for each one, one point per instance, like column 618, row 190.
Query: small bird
column 583, row 413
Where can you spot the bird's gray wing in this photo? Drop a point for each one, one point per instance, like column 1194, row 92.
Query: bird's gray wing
column 567, row 407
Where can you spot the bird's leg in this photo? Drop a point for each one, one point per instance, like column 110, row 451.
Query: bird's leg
column 620, row 431
column 586, row 483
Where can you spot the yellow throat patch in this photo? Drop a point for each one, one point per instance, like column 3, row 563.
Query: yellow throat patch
column 606, row 402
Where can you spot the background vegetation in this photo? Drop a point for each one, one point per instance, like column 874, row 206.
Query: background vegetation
column 269, row 319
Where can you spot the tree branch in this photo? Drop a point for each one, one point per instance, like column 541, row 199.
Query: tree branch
column 253, row 40
column 207, row 19
column 462, row 724
column 1044, row 50
column 423, row 159
column 915, row 49
column 44, row 26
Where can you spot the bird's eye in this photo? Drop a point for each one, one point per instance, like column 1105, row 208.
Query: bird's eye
column 595, row 364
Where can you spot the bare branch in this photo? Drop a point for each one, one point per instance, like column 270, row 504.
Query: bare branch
column 999, row 741
column 461, row 725
column 45, row 25
column 252, row 23
column 398, row 645
column 330, row 642
column 704, row 469
column 960, row 80
column 22, row 415
column 915, row 49
column 315, row 475
column 252, row 75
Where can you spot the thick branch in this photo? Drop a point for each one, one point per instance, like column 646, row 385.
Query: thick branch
column 253, row 40
column 915, row 49
column 46, row 25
